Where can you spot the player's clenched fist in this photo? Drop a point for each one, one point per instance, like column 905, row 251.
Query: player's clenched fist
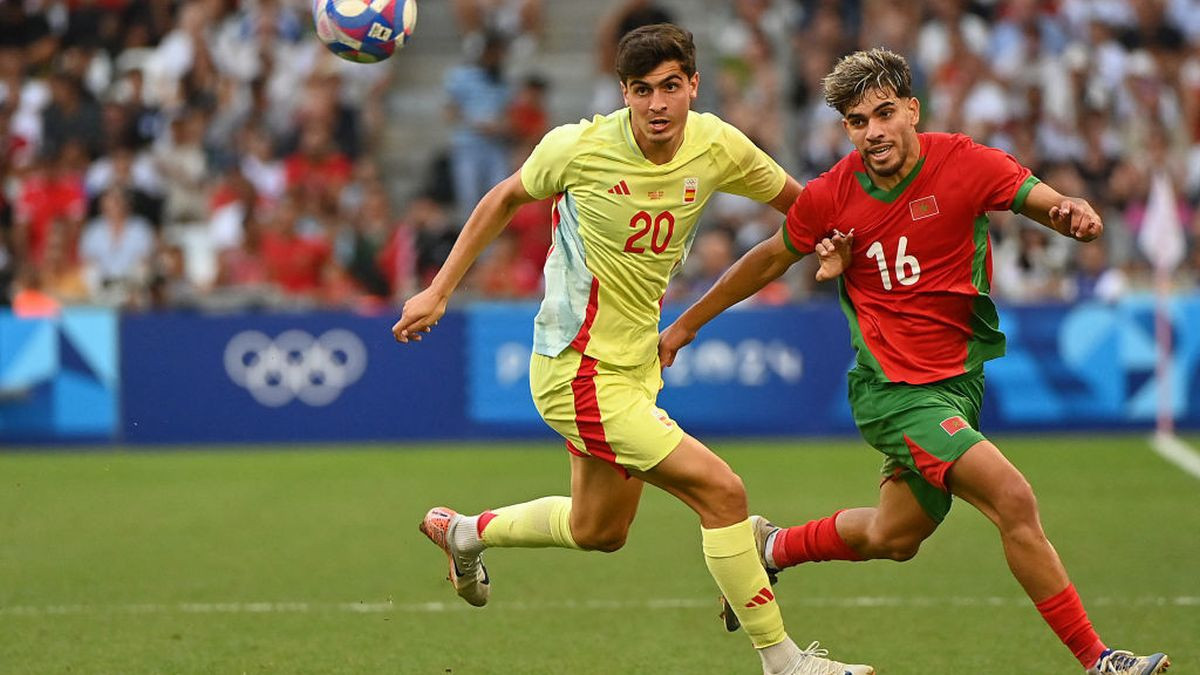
column 1077, row 219
column 420, row 315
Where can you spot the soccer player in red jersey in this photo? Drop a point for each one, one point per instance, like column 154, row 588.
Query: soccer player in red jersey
column 906, row 214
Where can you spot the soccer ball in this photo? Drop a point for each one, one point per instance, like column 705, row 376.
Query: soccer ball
column 364, row 31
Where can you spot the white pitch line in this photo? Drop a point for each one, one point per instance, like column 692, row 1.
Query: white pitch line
column 865, row 602
column 1175, row 451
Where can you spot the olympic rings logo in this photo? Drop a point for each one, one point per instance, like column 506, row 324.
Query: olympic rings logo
column 295, row 365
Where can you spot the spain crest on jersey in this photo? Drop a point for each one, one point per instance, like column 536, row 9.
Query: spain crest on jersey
column 690, row 185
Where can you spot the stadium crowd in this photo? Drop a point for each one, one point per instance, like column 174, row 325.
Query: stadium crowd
column 212, row 154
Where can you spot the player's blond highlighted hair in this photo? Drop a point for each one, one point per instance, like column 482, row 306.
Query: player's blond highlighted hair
column 865, row 71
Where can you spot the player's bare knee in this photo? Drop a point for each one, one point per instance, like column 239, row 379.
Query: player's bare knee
column 604, row 542
column 904, row 549
column 895, row 546
column 1017, row 505
column 728, row 497
column 604, row 539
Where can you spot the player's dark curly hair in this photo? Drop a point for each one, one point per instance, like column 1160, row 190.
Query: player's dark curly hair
column 641, row 50
column 864, row 71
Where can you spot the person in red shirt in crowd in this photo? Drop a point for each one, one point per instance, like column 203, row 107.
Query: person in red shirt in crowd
column 527, row 117
column 52, row 195
column 317, row 165
column 294, row 261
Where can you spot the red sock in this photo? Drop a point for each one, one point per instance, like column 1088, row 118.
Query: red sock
column 482, row 523
column 1064, row 612
column 814, row 541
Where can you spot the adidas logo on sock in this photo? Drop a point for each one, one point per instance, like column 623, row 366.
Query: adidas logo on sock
column 763, row 597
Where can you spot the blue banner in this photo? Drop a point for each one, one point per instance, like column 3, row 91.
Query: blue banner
column 783, row 370
column 756, row 371
column 58, row 376
column 188, row 378
column 1093, row 366
column 280, row 377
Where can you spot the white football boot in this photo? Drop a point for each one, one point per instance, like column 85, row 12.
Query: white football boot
column 467, row 573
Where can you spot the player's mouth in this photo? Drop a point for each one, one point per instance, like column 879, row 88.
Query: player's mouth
column 880, row 153
column 659, row 124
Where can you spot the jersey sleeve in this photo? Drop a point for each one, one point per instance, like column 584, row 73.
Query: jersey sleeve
column 996, row 176
column 808, row 219
column 547, row 171
column 751, row 172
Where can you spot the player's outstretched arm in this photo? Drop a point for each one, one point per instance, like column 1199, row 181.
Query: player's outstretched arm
column 760, row 266
column 493, row 213
column 1069, row 216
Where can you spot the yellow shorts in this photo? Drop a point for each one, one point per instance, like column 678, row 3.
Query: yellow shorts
column 604, row 411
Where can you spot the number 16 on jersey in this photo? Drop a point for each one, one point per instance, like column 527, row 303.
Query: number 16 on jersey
column 908, row 268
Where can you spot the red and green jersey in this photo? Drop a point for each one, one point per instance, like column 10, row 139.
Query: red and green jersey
column 916, row 291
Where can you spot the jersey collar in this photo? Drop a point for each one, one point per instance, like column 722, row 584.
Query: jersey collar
column 631, row 142
column 889, row 196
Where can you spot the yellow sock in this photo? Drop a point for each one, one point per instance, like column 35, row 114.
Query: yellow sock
column 733, row 561
column 541, row 523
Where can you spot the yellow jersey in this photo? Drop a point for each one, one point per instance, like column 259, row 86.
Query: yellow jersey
column 623, row 225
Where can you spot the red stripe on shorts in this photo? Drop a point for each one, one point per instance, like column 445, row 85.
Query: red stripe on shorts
column 584, row 335
column 933, row 469
column 587, row 411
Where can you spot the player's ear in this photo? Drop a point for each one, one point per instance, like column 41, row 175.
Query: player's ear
column 914, row 110
column 695, row 82
column 624, row 92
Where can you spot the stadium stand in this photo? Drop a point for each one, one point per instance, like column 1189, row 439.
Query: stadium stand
column 270, row 174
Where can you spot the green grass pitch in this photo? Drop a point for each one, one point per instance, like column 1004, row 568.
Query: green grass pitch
column 309, row 561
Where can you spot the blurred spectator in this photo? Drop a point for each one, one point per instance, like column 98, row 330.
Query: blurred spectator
column 435, row 236
column 27, row 31
column 361, row 246
column 62, row 275
column 479, row 97
column 502, row 273
column 518, row 21
column 116, row 249
column 50, row 196
column 712, row 254
column 260, row 165
column 30, row 300
column 317, row 168
column 242, row 268
column 170, row 287
column 527, row 116
column 131, row 171
column 398, row 260
column 8, row 257
column 1094, row 278
column 627, row 15
column 295, row 260
column 71, row 115
column 179, row 156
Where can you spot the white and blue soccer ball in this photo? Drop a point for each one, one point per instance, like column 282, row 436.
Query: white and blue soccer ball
column 364, row 31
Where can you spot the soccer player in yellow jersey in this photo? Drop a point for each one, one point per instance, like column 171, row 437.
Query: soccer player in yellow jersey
column 628, row 189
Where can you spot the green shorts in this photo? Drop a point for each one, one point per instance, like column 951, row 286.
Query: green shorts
column 920, row 429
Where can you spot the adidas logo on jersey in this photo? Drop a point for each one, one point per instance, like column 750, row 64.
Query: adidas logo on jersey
column 619, row 189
